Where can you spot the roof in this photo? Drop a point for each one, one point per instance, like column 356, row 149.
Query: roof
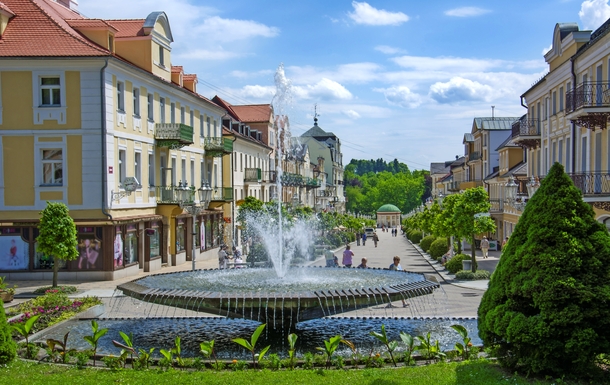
column 388, row 208
column 519, row 169
column 128, row 28
column 251, row 113
column 468, row 137
column 438, row 168
column 317, row 131
column 509, row 142
column 90, row 24
column 6, row 9
column 493, row 123
column 39, row 28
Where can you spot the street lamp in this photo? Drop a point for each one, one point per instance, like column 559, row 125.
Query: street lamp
column 440, row 198
column 186, row 200
column 517, row 200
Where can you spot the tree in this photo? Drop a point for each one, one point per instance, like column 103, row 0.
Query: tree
column 471, row 202
column 8, row 348
column 546, row 307
column 57, row 235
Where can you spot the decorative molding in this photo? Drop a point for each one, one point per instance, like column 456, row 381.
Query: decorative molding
column 601, row 205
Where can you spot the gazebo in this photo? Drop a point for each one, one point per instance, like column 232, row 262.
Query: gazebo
column 388, row 215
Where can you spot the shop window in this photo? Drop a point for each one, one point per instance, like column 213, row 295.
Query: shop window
column 14, row 249
column 131, row 245
column 208, row 233
column 118, row 248
column 154, row 247
column 196, row 231
column 180, row 235
column 89, row 250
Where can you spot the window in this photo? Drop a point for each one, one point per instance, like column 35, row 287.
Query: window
column 111, row 43
column 182, row 115
column 120, row 96
column 122, row 165
column 201, row 126
column 560, row 147
column 161, row 56
column 162, row 109
column 583, row 154
column 174, row 171
column 202, row 171
column 554, row 107
column 136, row 101
column 207, row 122
column 568, row 155
column 151, row 169
column 561, row 99
column 172, row 113
column 137, row 164
column 192, row 172
column 52, row 167
column 183, row 170
column 151, row 116
column 50, row 92
column 215, row 133
column 191, row 119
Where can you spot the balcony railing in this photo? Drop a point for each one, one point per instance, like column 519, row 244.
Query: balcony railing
column 173, row 135
column 475, row 155
column 217, row 146
column 497, row 206
column 252, row 175
column 588, row 94
column 289, row 179
column 222, row 194
column 470, row 184
column 453, row 186
column 270, row 176
column 170, row 194
column 526, row 127
column 592, row 183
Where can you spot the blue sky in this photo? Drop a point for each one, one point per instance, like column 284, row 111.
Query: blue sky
column 392, row 79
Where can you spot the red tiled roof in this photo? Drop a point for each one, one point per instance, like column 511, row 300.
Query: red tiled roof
column 90, row 23
column 128, row 28
column 39, row 29
column 189, row 77
column 177, row 69
column 253, row 112
column 7, row 9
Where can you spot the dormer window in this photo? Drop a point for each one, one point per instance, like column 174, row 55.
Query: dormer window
column 110, row 43
column 50, row 92
column 161, row 57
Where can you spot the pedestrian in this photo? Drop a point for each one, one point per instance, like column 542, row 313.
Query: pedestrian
column 485, row 247
column 364, row 239
column 347, row 257
column 223, row 258
column 504, row 242
column 362, row 264
column 237, row 260
column 358, row 238
column 375, row 238
column 329, row 256
column 395, row 266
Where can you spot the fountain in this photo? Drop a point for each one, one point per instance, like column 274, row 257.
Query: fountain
column 283, row 295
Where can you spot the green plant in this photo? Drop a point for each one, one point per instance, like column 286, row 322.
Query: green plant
column 8, row 348
column 546, row 305
column 468, row 275
column 238, row 365
column 95, row 337
column 426, row 242
column 455, row 264
column 60, row 347
column 114, row 363
column 462, row 348
column 308, row 360
column 25, row 329
column 415, row 236
column 275, row 363
column 207, row 349
column 175, row 353
column 82, row 358
column 410, row 347
column 144, row 358
column 331, row 345
column 250, row 346
column 390, row 345
column 4, row 288
column 62, row 289
column 438, row 248
column 339, row 362
column 218, row 366
column 292, row 340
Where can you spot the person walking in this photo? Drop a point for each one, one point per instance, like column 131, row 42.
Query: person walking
column 329, row 256
column 358, row 238
column 364, row 239
column 223, row 258
column 347, row 257
column 362, row 264
column 485, row 247
column 375, row 238
column 395, row 266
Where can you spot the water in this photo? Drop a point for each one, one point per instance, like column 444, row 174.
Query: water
column 160, row 333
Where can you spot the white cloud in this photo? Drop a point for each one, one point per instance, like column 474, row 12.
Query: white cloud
column 459, row 90
column 594, row 13
column 204, row 54
column 258, row 92
column 365, row 14
column 547, row 49
column 401, row 96
column 466, row 12
column 351, row 114
column 324, row 89
column 246, row 75
column 225, row 30
column 388, row 50
column 447, row 63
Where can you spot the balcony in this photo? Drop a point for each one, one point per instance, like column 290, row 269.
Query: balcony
column 289, row 179
column 253, row 175
column 497, row 206
column 526, row 132
column 173, row 135
column 168, row 195
column 473, row 156
column 312, row 183
column 453, row 186
column 217, row 146
column 224, row 194
column 270, row 176
column 588, row 105
column 470, row 184
column 592, row 184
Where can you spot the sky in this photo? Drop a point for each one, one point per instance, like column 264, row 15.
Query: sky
column 391, row 79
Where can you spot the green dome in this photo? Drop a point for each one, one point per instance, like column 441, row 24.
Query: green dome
column 388, row 208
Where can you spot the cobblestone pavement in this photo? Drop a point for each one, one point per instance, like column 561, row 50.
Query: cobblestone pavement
column 453, row 299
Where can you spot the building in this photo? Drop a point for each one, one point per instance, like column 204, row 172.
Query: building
column 96, row 116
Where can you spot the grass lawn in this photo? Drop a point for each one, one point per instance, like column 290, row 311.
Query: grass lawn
column 465, row 373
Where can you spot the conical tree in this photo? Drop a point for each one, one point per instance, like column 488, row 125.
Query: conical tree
column 8, row 348
column 547, row 305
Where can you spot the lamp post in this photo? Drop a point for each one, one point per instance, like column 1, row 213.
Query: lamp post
column 517, row 200
column 186, row 200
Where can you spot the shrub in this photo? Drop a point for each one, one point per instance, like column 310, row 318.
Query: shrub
column 415, row 236
column 455, row 264
column 426, row 242
column 470, row 276
column 438, row 248
column 8, row 348
column 547, row 304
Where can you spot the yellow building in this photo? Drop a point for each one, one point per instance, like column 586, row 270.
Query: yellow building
column 567, row 113
column 104, row 113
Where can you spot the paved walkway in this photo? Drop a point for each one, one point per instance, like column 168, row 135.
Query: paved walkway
column 454, row 299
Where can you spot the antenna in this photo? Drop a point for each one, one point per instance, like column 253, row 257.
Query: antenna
column 492, row 112
column 315, row 114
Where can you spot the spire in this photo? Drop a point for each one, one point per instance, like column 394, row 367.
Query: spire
column 315, row 114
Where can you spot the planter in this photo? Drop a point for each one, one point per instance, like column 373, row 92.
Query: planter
column 6, row 297
column 466, row 264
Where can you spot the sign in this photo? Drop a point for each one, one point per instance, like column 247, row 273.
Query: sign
column 481, row 215
column 110, row 169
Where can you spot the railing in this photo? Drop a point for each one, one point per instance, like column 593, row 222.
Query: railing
column 470, row 184
column 497, row 205
column 218, row 145
column 453, row 186
column 270, row 176
column 475, row 155
column 289, row 179
column 252, row 175
column 588, row 94
column 326, row 193
column 526, row 127
column 592, row 183
column 170, row 194
column 174, row 135
column 222, row 194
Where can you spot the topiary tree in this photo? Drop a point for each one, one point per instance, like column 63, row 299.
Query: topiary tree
column 426, row 242
column 8, row 347
column 57, row 235
column 546, row 307
column 438, row 248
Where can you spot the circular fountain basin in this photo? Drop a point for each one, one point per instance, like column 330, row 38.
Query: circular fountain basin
column 259, row 295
